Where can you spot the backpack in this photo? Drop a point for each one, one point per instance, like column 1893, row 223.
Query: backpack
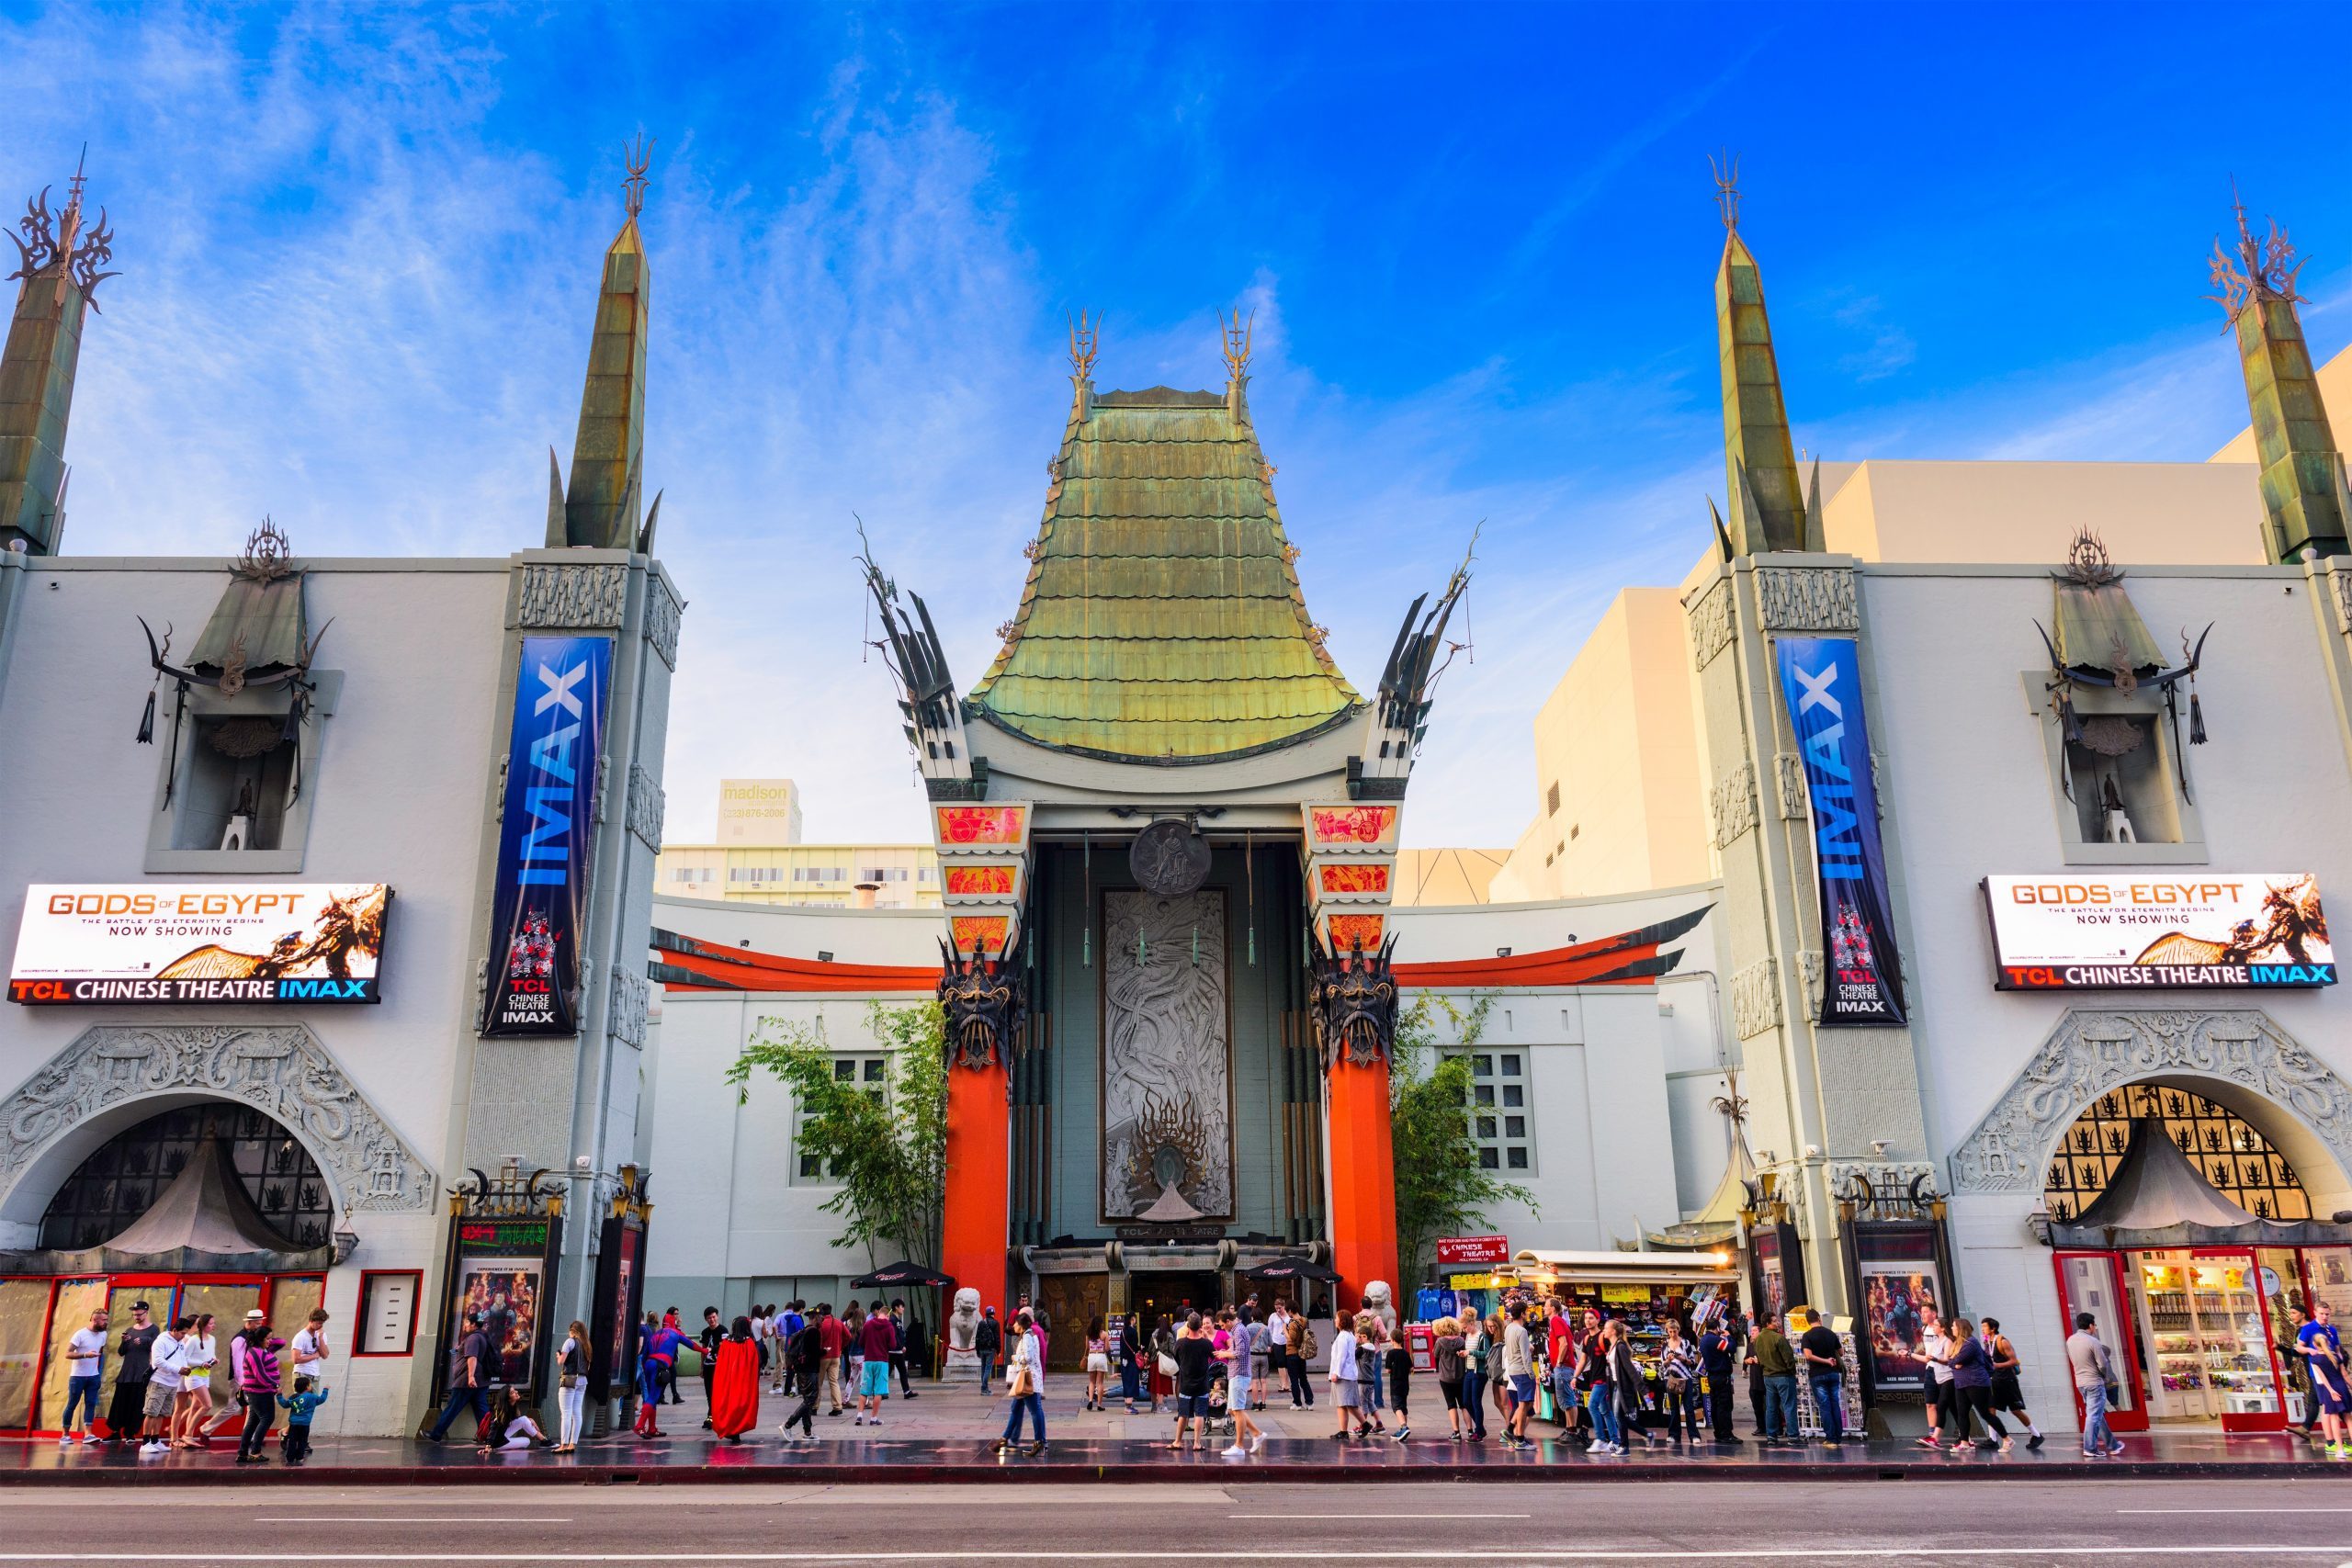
column 1310, row 1346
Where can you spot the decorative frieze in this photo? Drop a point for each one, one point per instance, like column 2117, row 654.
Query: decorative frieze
column 626, row 1008
column 663, row 614
column 2091, row 1053
column 645, row 807
column 1788, row 777
column 279, row 1070
column 1887, row 1181
column 1807, row 599
column 1809, row 972
column 2343, row 600
column 556, row 593
column 1756, row 998
column 1732, row 805
column 1711, row 622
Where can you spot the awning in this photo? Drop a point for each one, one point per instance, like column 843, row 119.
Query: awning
column 905, row 1276
column 1290, row 1268
column 1629, row 1268
column 2158, row 1198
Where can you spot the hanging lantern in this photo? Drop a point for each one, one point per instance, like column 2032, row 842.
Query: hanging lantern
column 147, row 721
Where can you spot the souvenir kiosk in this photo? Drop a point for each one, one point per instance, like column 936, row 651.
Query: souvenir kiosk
column 2196, row 1294
column 1646, row 1290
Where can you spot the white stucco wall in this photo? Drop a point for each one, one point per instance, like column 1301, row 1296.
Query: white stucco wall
column 1965, row 769
column 397, row 797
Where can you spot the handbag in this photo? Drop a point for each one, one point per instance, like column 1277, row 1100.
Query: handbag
column 1021, row 1383
column 1168, row 1367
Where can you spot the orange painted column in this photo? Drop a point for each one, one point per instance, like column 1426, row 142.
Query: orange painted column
column 1364, row 1178
column 977, row 1226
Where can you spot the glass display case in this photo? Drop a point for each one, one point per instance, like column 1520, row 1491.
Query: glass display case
column 2209, row 1341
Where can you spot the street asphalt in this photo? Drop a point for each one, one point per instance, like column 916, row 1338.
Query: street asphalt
column 2073, row 1523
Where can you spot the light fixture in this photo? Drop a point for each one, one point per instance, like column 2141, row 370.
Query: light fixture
column 346, row 1242
column 824, row 955
column 1502, row 953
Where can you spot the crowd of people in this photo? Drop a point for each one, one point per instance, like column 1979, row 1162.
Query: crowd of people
column 1212, row 1368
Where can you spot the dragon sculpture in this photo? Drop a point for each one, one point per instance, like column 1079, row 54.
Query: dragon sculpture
column 1352, row 1001
column 984, row 1006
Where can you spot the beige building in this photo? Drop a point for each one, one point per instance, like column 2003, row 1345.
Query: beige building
column 759, row 859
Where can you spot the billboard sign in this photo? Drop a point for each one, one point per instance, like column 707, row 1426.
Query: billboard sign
column 87, row 945
column 545, row 834
column 1821, row 684
column 1468, row 1250
column 2085, row 931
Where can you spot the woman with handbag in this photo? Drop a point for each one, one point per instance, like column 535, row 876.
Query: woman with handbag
column 1678, row 1370
column 1163, row 1363
column 1024, row 1386
column 1474, row 1350
column 1625, row 1378
column 571, row 1386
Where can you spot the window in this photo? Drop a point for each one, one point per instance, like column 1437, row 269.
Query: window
column 122, row 1180
column 1497, row 1089
column 2231, row 1154
column 2118, row 784
column 755, row 874
column 1551, row 800
column 691, row 873
column 236, row 779
column 871, row 1071
column 1574, row 829
column 883, row 873
column 820, row 873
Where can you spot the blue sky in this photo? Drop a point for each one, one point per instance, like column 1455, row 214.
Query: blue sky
column 360, row 250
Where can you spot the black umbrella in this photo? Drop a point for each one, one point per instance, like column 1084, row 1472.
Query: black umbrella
column 1289, row 1269
column 908, row 1275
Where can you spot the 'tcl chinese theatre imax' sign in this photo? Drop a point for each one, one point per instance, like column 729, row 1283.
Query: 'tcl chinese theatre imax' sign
column 2088, row 931
column 212, row 941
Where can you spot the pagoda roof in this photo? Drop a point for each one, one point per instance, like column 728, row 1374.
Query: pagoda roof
column 1162, row 620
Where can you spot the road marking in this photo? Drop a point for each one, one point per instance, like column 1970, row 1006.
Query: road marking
column 407, row 1519
column 1379, row 1515
column 1295, row 1550
column 2234, row 1510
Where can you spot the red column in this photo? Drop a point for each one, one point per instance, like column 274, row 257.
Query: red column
column 978, row 1222
column 1364, row 1178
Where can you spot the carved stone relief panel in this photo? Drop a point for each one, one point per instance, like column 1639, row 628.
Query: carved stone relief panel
column 1732, row 805
column 555, row 594
column 646, row 805
column 1711, row 622
column 1166, row 1058
column 1807, row 599
column 1756, row 998
column 1809, row 976
column 663, row 614
column 626, row 1008
column 279, row 1070
column 2092, row 1052
column 1788, row 771
column 2343, row 600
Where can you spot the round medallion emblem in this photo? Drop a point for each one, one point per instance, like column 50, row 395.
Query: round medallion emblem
column 1170, row 859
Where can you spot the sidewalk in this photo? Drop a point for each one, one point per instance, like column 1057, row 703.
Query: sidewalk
column 948, row 1434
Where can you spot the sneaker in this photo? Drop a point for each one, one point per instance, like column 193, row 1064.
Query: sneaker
column 2034, row 1441
column 1236, row 1451
column 152, row 1448
column 1257, row 1442
column 1929, row 1443
column 2116, row 1452
column 65, row 1441
column 92, row 1439
column 1401, row 1433
column 861, row 1419
column 2007, row 1444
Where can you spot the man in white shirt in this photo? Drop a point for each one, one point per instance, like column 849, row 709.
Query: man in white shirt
column 86, row 1361
column 311, row 1349
column 163, row 1382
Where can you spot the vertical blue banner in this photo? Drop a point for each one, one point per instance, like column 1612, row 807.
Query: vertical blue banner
column 545, row 834
column 1821, row 683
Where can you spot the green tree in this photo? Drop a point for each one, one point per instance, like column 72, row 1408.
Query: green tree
column 1441, row 1188
column 887, row 1150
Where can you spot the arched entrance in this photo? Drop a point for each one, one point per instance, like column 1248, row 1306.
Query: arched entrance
column 197, row 1167
column 2190, row 1164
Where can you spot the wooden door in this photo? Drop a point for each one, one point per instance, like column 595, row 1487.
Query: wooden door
column 1070, row 1302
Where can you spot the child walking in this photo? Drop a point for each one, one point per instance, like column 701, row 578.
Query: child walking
column 301, row 1406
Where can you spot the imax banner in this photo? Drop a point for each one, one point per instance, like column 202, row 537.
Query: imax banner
column 1821, row 683
column 547, row 832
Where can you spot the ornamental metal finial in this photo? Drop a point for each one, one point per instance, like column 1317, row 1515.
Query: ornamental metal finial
column 2260, row 268
column 1727, row 189
column 1085, row 342
column 1237, row 334
column 638, row 155
column 63, row 243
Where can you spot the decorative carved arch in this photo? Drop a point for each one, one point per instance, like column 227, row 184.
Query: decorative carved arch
column 112, row 1075
column 2091, row 1053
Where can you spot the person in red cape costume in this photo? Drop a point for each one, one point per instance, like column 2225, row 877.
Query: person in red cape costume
column 735, row 1386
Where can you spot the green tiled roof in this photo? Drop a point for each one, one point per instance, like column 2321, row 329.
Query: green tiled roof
column 1162, row 619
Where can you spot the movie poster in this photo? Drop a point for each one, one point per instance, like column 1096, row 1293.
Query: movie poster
column 1899, row 1306
column 1822, row 685
column 198, row 942
column 2096, row 930
column 545, row 836
column 505, row 1291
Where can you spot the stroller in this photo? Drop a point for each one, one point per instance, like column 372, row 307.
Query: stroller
column 1220, row 1418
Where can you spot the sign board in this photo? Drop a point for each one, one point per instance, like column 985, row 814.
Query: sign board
column 199, row 943
column 1471, row 1249
column 2089, row 931
column 1821, row 684
column 545, row 834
